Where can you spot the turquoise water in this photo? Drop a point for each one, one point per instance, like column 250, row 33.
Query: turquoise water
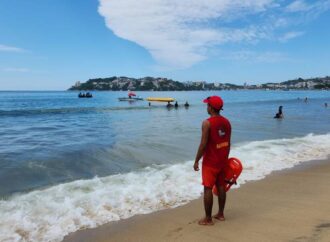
column 53, row 137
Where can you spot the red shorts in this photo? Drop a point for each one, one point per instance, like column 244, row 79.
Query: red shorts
column 212, row 176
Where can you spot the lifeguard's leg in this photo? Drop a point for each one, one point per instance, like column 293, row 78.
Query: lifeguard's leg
column 208, row 203
column 222, row 202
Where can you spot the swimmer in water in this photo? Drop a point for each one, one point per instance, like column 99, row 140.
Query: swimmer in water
column 279, row 114
column 169, row 105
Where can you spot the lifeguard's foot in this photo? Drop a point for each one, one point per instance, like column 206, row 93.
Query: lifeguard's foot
column 206, row 221
column 220, row 217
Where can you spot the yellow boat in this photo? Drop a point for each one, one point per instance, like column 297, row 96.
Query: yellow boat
column 160, row 99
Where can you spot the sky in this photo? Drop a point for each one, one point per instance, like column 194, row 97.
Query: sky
column 51, row 44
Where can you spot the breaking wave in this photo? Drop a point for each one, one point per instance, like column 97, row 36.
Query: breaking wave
column 52, row 213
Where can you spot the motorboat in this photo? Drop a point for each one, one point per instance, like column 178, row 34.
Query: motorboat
column 85, row 95
column 131, row 97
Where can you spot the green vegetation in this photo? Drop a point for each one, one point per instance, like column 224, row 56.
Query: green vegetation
column 163, row 84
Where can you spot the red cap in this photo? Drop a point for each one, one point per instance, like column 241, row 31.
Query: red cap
column 215, row 102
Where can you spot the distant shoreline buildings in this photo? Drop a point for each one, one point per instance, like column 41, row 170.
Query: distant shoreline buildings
column 163, row 84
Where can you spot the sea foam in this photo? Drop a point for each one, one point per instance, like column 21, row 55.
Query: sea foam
column 52, row 213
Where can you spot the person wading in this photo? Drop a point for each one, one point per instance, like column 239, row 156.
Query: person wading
column 214, row 148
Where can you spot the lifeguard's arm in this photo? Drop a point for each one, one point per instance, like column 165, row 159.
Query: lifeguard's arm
column 201, row 148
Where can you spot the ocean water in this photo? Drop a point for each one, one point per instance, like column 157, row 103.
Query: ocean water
column 68, row 163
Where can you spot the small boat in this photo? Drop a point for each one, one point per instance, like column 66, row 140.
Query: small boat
column 85, row 95
column 131, row 97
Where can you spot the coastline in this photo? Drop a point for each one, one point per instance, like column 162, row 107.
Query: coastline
column 287, row 205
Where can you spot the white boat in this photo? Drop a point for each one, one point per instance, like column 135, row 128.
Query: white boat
column 131, row 99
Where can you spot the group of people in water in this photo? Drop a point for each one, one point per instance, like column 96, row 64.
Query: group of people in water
column 279, row 114
column 86, row 95
column 176, row 105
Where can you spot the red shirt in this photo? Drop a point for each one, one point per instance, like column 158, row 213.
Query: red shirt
column 218, row 144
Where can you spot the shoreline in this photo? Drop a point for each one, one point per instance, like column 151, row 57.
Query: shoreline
column 287, row 205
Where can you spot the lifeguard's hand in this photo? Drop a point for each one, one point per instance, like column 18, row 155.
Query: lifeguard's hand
column 196, row 168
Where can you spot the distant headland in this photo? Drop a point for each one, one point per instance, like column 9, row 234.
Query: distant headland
column 163, row 84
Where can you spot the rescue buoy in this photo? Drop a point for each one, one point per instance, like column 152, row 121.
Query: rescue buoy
column 232, row 171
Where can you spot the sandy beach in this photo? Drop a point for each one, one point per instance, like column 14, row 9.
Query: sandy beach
column 289, row 205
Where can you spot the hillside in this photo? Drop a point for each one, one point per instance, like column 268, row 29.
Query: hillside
column 163, row 84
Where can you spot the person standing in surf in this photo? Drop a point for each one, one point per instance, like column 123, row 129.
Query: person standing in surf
column 214, row 148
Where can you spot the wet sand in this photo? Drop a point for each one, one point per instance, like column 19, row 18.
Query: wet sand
column 290, row 205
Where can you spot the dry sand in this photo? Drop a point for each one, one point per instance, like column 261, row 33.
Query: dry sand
column 291, row 205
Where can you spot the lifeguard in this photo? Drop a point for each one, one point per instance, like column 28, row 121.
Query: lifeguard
column 214, row 148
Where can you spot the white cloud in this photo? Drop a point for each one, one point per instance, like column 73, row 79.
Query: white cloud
column 7, row 48
column 298, row 6
column 317, row 7
column 253, row 56
column 180, row 33
column 290, row 35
